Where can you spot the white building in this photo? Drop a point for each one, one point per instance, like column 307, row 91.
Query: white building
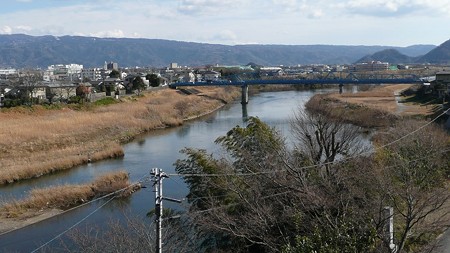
column 211, row 76
column 372, row 66
column 7, row 72
column 63, row 72
column 92, row 74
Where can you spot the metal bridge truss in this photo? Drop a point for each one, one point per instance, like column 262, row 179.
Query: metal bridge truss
column 339, row 78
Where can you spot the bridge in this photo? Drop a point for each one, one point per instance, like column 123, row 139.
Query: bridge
column 329, row 79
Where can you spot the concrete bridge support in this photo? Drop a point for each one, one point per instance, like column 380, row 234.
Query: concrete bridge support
column 244, row 98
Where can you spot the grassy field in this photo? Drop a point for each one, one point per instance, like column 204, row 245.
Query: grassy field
column 36, row 141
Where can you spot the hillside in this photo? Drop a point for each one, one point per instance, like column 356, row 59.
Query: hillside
column 439, row 55
column 436, row 55
column 20, row 51
column 388, row 55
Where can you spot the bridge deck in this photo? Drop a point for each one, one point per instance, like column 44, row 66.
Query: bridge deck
column 299, row 82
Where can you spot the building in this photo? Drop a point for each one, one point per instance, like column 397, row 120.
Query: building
column 111, row 66
column 271, row 71
column 372, row 66
column 7, row 72
column 443, row 80
column 92, row 74
column 211, row 75
column 61, row 72
column 60, row 92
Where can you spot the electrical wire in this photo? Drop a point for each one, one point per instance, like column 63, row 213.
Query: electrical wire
column 90, row 214
column 74, row 225
column 315, row 165
column 84, row 204
column 221, row 207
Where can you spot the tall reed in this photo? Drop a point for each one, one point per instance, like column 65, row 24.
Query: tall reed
column 37, row 141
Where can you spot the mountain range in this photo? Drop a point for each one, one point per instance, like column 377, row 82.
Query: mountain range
column 437, row 55
column 22, row 51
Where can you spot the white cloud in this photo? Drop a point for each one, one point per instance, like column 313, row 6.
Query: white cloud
column 116, row 33
column 240, row 21
column 23, row 28
column 211, row 7
column 6, row 30
column 316, row 14
column 15, row 29
column 225, row 36
column 397, row 7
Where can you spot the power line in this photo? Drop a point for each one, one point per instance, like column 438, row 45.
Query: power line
column 74, row 225
column 221, row 207
column 315, row 165
column 90, row 214
column 89, row 202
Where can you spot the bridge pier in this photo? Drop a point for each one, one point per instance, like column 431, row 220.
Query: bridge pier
column 244, row 95
column 341, row 85
column 244, row 112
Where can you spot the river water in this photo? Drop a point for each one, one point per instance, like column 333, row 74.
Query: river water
column 158, row 149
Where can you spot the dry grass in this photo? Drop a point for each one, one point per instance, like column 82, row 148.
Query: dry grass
column 383, row 98
column 36, row 141
column 354, row 113
column 65, row 196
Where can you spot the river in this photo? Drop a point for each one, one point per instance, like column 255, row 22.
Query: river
column 157, row 149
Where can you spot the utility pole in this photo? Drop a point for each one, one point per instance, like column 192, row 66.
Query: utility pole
column 159, row 175
column 388, row 213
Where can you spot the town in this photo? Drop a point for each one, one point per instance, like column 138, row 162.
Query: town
column 72, row 83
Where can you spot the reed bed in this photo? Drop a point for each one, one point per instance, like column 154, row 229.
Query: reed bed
column 66, row 196
column 37, row 141
column 354, row 113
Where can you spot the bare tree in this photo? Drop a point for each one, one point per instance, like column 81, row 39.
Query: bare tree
column 273, row 198
column 413, row 175
column 28, row 82
column 324, row 139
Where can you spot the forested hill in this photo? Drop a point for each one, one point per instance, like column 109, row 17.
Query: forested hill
column 20, row 51
column 440, row 54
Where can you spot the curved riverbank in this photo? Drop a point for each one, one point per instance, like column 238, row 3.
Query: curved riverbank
column 377, row 107
column 38, row 141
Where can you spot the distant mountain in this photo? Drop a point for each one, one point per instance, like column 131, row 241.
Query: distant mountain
column 392, row 56
column 415, row 50
column 439, row 55
column 20, row 51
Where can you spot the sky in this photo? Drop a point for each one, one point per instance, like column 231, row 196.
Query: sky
column 232, row 22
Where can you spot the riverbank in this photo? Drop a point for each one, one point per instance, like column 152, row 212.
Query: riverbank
column 386, row 98
column 377, row 107
column 45, row 203
column 37, row 141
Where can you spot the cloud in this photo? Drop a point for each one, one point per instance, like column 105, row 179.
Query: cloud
column 15, row 29
column 205, row 7
column 6, row 30
column 116, row 33
column 304, row 8
column 383, row 8
column 225, row 36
